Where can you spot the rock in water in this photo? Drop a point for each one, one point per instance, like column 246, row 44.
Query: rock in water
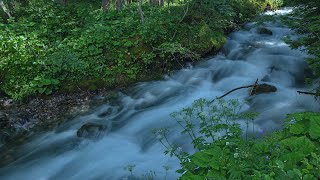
column 263, row 88
column 92, row 131
column 265, row 31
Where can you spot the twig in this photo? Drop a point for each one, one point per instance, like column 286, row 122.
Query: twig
column 309, row 93
column 254, row 86
column 242, row 87
column 185, row 13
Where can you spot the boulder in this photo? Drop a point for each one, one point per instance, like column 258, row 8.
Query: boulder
column 92, row 130
column 263, row 88
column 266, row 31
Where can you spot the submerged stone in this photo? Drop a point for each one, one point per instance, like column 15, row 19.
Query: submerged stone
column 92, row 130
column 263, row 30
column 263, row 88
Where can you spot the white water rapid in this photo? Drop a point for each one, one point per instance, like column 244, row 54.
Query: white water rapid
column 247, row 55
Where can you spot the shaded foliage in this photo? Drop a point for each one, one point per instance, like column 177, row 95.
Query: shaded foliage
column 305, row 20
column 49, row 46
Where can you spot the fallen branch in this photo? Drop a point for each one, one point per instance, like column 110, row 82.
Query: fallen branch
column 242, row 87
column 254, row 88
column 309, row 93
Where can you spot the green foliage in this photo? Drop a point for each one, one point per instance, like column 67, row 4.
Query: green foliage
column 64, row 65
column 275, row 4
column 174, row 52
column 223, row 153
column 47, row 42
column 305, row 20
column 307, row 123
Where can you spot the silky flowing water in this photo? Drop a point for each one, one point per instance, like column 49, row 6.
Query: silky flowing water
column 247, row 55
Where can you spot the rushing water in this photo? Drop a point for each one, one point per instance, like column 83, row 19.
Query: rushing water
column 247, row 56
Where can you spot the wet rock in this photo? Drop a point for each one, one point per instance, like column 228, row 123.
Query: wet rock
column 4, row 137
column 105, row 113
column 263, row 88
column 2, row 116
column 263, row 30
column 308, row 73
column 92, row 130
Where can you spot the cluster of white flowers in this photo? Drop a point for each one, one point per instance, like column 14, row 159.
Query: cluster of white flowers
column 292, row 121
column 160, row 133
column 179, row 149
column 236, row 155
column 204, row 114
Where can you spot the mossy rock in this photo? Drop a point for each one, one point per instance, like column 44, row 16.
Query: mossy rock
column 266, row 31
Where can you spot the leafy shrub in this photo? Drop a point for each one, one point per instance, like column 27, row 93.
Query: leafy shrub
column 171, row 52
column 223, row 153
column 46, row 42
column 65, row 65
column 305, row 20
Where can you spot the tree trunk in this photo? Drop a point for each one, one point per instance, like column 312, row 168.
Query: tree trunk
column 10, row 6
column 105, row 5
column 161, row 2
column 140, row 11
column 24, row 3
column 65, row 3
column 155, row 2
column 119, row 5
column 5, row 9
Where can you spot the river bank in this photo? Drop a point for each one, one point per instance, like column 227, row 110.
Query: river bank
column 59, row 72
column 38, row 109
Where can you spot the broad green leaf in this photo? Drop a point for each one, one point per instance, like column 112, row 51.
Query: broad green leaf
column 214, row 164
column 55, row 81
column 315, row 127
column 190, row 176
column 298, row 128
column 279, row 164
column 215, row 175
column 309, row 177
column 201, row 159
column 46, row 82
column 291, row 159
column 180, row 171
column 41, row 90
column 298, row 144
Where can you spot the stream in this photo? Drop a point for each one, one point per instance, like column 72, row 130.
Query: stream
column 132, row 115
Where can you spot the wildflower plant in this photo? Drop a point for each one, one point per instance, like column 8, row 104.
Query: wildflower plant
column 225, row 151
